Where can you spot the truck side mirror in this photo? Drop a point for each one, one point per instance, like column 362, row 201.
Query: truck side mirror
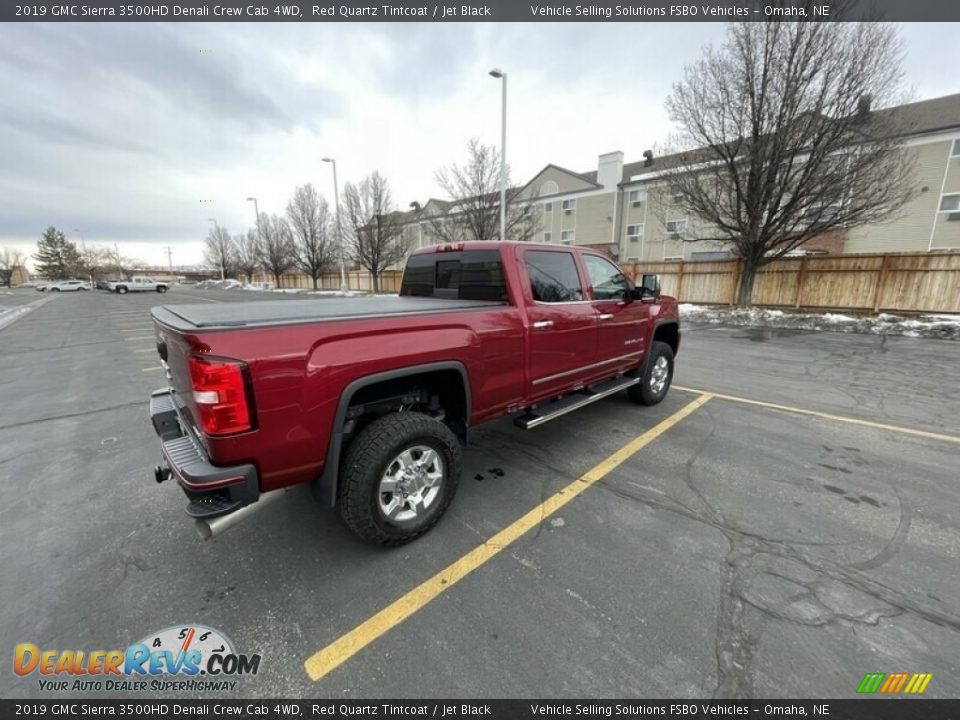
column 650, row 288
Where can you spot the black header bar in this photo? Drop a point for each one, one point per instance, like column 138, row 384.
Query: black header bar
column 473, row 11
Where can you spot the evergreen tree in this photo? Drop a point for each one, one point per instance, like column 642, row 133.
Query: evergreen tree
column 57, row 258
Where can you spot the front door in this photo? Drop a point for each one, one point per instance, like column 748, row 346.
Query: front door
column 562, row 325
column 623, row 321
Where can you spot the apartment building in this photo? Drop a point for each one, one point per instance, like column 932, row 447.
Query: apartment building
column 627, row 210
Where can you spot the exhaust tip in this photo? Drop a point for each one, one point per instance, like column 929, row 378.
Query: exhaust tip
column 203, row 529
column 161, row 474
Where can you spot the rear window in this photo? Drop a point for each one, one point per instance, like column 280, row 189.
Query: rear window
column 467, row 275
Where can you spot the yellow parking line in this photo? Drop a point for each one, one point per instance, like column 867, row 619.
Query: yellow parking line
column 827, row 416
column 145, row 350
column 151, row 369
column 348, row 645
column 139, row 337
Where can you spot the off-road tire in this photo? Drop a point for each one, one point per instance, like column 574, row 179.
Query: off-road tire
column 122, row 290
column 645, row 393
column 367, row 459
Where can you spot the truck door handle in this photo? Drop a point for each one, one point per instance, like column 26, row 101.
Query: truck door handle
column 542, row 324
column 606, row 316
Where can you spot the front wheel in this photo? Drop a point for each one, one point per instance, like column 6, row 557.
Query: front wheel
column 655, row 377
column 398, row 478
column 56, row 289
column 161, row 289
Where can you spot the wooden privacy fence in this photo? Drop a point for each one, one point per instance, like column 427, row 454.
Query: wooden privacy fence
column 357, row 280
column 907, row 282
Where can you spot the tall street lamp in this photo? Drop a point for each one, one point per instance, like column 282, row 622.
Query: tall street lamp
column 336, row 200
column 502, row 76
column 216, row 229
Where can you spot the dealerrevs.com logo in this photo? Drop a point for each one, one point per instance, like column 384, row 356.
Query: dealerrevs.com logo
column 178, row 658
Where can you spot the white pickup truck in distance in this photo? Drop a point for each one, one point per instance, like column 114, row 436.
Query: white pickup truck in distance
column 139, row 284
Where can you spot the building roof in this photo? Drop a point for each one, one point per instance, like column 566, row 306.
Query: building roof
column 925, row 116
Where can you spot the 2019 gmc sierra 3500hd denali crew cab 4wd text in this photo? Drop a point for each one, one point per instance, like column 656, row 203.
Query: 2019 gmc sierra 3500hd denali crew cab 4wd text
column 370, row 399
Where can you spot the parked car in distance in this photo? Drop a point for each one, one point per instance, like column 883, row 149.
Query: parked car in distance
column 139, row 284
column 103, row 284
column 68, row 286
column 370, row 400
column 41, row 286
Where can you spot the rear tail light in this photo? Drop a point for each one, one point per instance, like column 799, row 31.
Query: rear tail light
column 220, row 391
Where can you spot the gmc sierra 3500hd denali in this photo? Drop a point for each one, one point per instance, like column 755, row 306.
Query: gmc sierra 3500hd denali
column 370, row 399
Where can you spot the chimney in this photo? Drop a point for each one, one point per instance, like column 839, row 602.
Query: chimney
column 610, row 169
column 647, row 158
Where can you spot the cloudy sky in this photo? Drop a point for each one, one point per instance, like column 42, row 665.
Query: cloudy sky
column 136, row 134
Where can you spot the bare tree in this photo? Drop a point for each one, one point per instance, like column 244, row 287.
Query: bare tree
column 276, row 246
column 375, row 226
column 10, row 260
column 780, row 142
column 474, row 189
column 97, row 261
column 309, row 217
column 219, row 251
column 246, row 253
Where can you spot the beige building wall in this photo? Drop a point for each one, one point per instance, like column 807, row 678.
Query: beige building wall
column 918, row 221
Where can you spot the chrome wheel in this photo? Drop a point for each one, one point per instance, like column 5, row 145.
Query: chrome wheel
column 411, row 483
column 659, row 375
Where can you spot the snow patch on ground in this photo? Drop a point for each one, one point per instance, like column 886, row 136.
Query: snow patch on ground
column 941, row 326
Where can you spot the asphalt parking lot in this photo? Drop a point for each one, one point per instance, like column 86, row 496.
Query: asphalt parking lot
column 796, row 528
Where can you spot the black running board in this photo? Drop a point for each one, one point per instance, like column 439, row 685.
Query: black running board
column 577, row 400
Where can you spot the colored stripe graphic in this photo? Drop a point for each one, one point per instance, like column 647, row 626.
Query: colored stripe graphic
column 895, row 683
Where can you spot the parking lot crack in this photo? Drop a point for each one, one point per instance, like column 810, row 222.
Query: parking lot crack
column 65, row 416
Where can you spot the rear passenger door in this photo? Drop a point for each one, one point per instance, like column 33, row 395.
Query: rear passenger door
column 622, row 320
column 562, row 324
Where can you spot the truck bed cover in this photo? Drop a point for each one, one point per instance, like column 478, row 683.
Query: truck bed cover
column 277, row 312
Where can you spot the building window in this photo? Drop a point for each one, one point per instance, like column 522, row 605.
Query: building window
column 548, row 207
column 950, row 203
column 633, row 259
column 672, row 258
column 566, row 237
column 676, row 227
column 637, row 197
column 956, row 148
column 569, row 206
column 548, row 237
column 635, row 232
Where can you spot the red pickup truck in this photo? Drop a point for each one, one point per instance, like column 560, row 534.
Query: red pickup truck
column 370, row 399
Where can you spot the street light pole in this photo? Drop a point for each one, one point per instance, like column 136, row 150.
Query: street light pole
column 216, row 229
column 502, row 76
column 336, row 200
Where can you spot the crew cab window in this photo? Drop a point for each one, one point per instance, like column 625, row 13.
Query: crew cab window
column 607, row 279
column 553, row 276
column 467, row 275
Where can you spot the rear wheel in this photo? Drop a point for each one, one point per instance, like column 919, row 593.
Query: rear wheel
column 122, row 290
column 161, row 289
column 655, row 377
column 398, row 478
